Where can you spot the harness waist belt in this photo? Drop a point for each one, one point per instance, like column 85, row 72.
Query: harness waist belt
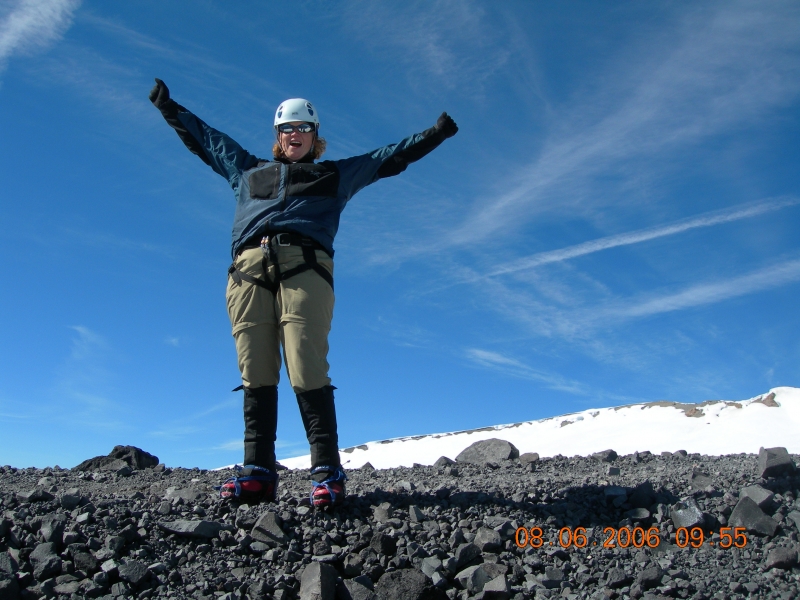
column 284, row 239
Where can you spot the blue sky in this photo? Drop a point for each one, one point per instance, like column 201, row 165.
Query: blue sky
column 617, row 220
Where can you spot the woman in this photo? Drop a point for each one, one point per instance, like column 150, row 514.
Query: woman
column 280, row 285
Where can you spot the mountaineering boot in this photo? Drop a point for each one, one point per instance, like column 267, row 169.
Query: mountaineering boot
column 257, row 481
column 318, row 412
column 251, row 485
column 330, row 490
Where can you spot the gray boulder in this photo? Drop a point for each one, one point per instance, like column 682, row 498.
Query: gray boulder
column 762, row 497
column 134, row 457
column 46, row 563
column 473, row 579
column 350, row 589
column 268, row 530
column 318, row 582
column 406, row 584
column 775, row 462
column 529, row 457
column 747, row 514
column 781, row 558
column 687, row 514
column 134, row 572
column 485, row 451
column 605, row 456
column 198, row 529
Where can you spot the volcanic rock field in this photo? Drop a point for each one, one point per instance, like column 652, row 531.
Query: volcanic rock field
column 490, row 525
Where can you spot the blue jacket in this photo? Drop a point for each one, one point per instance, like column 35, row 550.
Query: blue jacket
column 305, row 197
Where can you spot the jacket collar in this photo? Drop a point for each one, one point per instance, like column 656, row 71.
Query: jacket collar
column 308, row 158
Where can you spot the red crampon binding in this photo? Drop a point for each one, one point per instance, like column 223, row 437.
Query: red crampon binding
column 330, row 491
column 256, row 484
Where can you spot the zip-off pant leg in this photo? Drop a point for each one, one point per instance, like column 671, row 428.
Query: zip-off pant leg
column 299, row 319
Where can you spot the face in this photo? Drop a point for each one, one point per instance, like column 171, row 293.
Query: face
column 295, row 144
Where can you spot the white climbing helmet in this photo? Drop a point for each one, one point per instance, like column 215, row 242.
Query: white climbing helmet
column 296, row 109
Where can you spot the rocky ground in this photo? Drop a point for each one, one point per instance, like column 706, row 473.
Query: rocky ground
column 116, row 528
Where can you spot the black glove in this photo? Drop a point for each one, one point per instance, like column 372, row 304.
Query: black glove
column 159, row 95
column 446, row 126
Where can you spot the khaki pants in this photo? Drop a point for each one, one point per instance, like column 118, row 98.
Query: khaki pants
column 297, row 318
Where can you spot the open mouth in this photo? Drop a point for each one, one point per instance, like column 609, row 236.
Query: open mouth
column 295, row 144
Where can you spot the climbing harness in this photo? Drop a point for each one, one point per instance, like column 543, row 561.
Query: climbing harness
column 308, row 247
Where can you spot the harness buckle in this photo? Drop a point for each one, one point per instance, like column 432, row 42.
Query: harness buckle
column 278, row 239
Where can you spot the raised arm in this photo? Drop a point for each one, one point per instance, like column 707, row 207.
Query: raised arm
column 214, row 148
column 360, row 171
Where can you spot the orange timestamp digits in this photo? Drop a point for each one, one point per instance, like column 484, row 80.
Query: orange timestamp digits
column 695, row 537
column 622, row 538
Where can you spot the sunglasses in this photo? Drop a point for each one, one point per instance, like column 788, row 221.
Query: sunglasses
column 302, row 128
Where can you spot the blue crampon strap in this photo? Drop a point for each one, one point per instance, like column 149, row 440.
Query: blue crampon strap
column 337, row 476
column 269, row 476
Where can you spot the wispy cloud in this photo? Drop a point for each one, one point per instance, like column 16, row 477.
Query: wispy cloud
column 710, row 219
column 708, row 293
column 515, row 368
column 172, row 341
column 450, row 45
column 720, row 71
column 580, row 323
column 237, row 444
column 32, row 25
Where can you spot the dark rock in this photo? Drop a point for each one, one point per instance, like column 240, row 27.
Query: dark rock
column 650, row 577
column 492, row 450
column 8, row 564
column 86, row 562
column 382, row 512
column 383, row 544
column 781, row 558
column 497, row 589
column 473, row 579
column 46, row 563
column 188, row 494
column 197, row 529
column 642, row 496
column 465, row 553
column 747, row 514
column 350, row 589
column 605, row 456
column 617, row 578
column 443, row 461
column 9, row 589
column 134, row 572
column 405, row 584
column 638, row 515
column 134, row 457
column 52, row 529
column 774, row 462
column 268, row 530
column 245, row 518
column 763, row 498
column 687, row 514
column 318, row 582
column 700, row 480
column 352, row 565
column 415, row 514
column 529, row 457
column 37, row 494
column 71, row 499
column 488, row 540
column 551, row 578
